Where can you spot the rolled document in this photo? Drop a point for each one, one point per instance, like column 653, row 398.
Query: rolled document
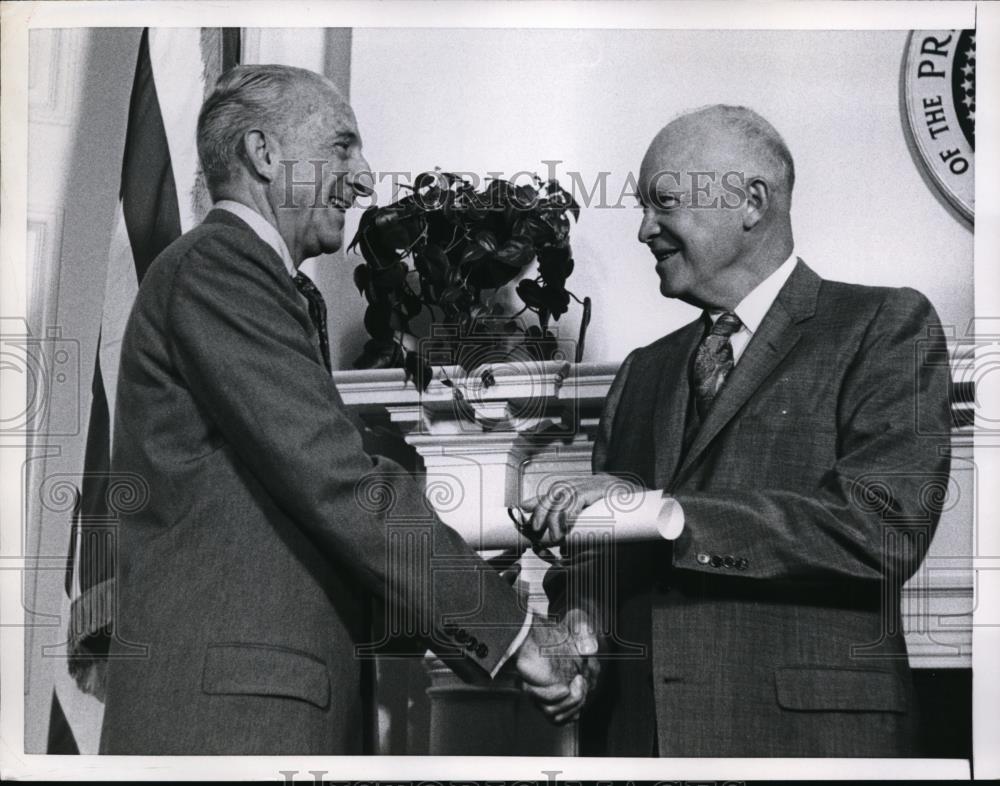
column 646, row 516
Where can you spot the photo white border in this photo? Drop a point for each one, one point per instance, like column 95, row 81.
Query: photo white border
column 18, row 17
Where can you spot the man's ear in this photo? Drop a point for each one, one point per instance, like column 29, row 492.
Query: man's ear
column 758, row 201
column 261, row 156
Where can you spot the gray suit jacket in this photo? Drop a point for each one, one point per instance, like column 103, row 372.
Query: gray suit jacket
column 811, row 492
column 246, row 578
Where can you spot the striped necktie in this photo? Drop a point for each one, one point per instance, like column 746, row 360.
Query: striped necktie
column 317, row 312
column 713, row 361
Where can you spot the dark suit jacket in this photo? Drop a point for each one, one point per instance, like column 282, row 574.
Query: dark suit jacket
column 810, row 494
column 248, row 573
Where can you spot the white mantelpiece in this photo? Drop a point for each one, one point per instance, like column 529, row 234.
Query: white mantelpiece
column 489, row 442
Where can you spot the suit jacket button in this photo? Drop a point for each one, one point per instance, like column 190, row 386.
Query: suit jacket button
column 729, row 561
column 462, row 636
column 703, row 559
column 716, row 561
column 482, row 651
column 742, row 563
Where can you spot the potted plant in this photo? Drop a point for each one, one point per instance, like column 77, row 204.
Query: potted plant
column 435, row 260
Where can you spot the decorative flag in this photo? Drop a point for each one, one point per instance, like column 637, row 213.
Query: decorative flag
column 162, row 195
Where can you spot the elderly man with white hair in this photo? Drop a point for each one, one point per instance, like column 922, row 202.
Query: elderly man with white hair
column 246, row 581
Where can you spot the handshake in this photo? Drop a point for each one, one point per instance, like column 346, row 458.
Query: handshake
column 558, row 660
column 558, row 664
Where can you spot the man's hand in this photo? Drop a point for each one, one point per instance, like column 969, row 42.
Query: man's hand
column 558, row 665
column 556, row 511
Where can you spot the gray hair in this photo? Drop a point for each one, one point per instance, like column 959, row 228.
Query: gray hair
column 252, row 96
column 759, row 135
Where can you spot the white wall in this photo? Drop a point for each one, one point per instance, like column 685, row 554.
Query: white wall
column 507, row 100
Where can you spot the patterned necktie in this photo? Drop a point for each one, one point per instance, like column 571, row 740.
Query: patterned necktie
column 713, row 361
column 317, row 312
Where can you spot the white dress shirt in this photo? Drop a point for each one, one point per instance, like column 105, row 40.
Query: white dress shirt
column 261, row 228
column 658, row 515
column 753, row 308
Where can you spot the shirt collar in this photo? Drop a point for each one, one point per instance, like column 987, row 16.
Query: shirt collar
column 261, row 228
column 754, row 307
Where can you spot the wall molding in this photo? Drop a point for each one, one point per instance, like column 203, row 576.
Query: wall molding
column 249, row 45
column 54, row 60
column 44, row 251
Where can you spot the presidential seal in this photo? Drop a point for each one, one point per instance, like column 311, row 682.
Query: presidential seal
column 940, row 85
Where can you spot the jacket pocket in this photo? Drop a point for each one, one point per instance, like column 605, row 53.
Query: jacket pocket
column 833, row 689
column 265, row 670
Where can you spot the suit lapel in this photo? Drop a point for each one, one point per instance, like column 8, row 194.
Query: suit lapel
column 672, row 393
column 778, row 333
column 276, row 264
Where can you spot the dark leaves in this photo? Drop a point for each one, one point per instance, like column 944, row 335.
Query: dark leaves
column 556, row 301
column 561, row 200
column 472, row 252
column 516, row 253
column 362, row 277
column 555, row 264
column 417, row 369
column 375, row 252
column 377, row 321
column 530, row 291
column 432, row 198
column 435, row 261
column 524, row 197
column 395, row 229
column 426, row 180
column 497, row 195
column 487, row 241
column 490, row 274
column 380, row 354
column 391, row 277
column 366, row 222
column 463, row 244
column 411, row 304
column 552, row 300
column 534, row 229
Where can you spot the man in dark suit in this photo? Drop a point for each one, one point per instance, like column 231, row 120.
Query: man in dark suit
column 794, row 444
column 246, row 577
